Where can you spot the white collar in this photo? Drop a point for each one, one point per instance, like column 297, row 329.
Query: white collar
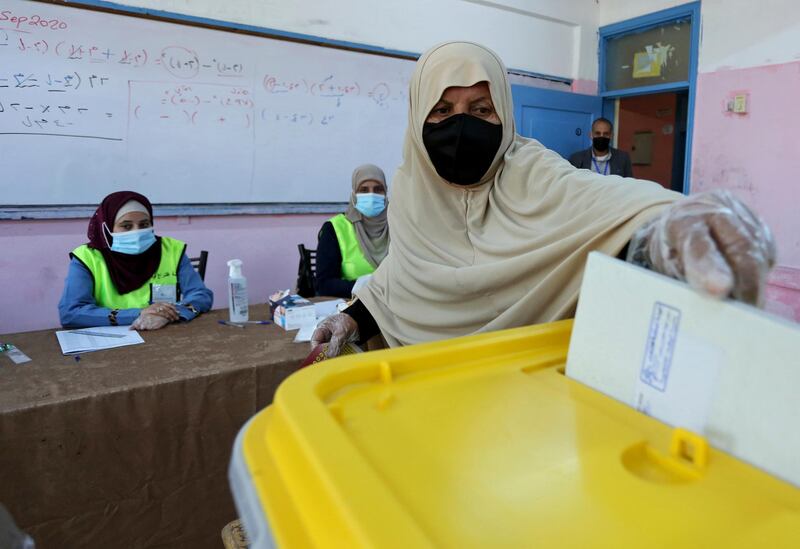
column 603, row 158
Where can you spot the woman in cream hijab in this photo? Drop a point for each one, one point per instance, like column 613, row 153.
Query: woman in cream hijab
column 491, row 230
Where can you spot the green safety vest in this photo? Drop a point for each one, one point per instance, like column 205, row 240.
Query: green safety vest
column 354, row 264
column 105, row 293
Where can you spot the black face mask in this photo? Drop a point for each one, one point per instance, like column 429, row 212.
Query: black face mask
column 601, row 143
column 462, row 147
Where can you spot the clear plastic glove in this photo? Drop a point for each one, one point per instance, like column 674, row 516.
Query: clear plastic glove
column 337, row 329
column 149, row 321
column 712, row 241
column 361, row 281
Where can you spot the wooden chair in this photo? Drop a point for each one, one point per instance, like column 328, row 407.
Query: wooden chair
column 306, row 272
column 199, row 264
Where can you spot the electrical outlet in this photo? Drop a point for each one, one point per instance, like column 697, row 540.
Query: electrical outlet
column 740, row 104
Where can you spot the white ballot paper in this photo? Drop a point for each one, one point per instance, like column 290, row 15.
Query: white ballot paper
column 725, row 370
column 85, row 340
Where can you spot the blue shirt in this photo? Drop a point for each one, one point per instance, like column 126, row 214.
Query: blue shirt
column 78, row 309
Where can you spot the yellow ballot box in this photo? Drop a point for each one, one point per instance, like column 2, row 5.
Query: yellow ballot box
column 482, row 441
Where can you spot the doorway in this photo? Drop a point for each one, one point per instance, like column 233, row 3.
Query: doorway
column 652, row 128
column 648, row 71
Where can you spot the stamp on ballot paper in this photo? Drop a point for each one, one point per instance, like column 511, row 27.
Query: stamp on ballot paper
column 660, row 346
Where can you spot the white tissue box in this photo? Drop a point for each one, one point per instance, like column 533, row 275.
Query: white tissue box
column 292, row 312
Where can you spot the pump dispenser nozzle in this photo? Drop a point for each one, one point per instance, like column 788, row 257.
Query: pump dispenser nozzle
column 235, row 268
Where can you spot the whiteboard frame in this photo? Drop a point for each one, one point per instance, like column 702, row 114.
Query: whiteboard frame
column 82, row 211
column 18, row 212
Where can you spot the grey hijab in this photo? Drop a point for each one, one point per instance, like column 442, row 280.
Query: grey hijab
column 372, row 232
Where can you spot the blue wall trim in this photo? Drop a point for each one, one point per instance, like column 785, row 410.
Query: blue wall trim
column 541, row 76
column 658, row 88
column 638, row 24
column 642, row 22
column 265, row 31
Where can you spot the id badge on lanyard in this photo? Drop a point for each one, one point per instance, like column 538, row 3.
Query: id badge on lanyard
column 605, row 168
column 164, row 293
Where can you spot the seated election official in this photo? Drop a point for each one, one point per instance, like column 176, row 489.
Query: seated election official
column 126, row 274
column 352, row 245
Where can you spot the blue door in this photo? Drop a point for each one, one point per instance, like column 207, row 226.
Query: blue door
column 561, row 121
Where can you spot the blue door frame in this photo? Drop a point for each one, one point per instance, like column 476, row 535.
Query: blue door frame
column 638, row 24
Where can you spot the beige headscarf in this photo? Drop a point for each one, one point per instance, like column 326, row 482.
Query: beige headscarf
column 508, row 251
column 372, row 232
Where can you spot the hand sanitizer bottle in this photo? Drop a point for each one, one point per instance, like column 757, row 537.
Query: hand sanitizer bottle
column 237, row 292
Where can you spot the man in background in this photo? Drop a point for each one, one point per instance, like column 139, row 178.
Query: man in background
column 601, row 157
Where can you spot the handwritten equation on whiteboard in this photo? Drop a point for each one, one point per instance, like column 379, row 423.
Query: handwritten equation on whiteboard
column 197, row 106
column 59, row 83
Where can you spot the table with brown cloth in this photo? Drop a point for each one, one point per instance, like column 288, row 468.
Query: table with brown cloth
column 129, row 447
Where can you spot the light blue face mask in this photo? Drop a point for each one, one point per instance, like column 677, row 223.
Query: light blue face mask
column 133, row 242
column 370, row 204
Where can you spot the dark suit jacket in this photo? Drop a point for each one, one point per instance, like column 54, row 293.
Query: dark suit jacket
column 620, row 161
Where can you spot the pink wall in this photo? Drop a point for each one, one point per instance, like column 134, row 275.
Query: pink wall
column 783, row 293
column 754, row 155
column 586, row 87
column 34, row 259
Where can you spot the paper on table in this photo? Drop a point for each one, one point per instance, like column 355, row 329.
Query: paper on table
column 16, row 356
column 327, row 308
column 305, row 333
column 74, row 343
column 322, row 310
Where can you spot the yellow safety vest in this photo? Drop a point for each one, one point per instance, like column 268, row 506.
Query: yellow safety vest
column 354, row 263
column 106, row 294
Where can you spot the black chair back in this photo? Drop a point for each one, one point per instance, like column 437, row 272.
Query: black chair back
column 306, row 272
column 199, row 264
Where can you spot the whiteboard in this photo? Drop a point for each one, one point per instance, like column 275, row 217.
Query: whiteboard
column 94, row 102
